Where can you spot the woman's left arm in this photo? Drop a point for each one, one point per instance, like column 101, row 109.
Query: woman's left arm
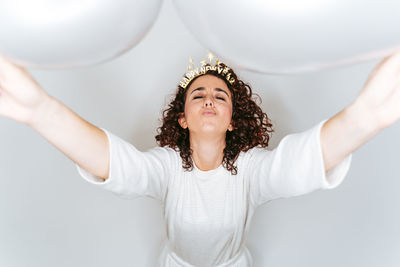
column 375, row 108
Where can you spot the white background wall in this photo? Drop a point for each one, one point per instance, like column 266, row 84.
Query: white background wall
column 49, row 216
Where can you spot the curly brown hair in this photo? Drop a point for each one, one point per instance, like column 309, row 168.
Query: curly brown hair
column 251, row 126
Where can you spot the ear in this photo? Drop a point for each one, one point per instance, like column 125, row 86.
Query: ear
column 182, row 121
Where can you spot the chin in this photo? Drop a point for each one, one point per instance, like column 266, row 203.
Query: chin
column 212, row 130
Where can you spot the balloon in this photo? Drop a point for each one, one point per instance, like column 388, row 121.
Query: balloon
column 71, row 33
column 289, row 36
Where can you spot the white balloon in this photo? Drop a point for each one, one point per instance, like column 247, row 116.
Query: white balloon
column 72, row 33
column 289, row 36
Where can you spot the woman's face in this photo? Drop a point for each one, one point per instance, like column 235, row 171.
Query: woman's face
column 208, row 106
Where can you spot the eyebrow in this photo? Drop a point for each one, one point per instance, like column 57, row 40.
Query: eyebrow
column 215, row 89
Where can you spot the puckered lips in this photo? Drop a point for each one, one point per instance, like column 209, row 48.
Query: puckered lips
column 208, row 112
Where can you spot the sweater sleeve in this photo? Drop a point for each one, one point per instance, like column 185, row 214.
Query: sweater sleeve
column 295, row 167
column 133, row 173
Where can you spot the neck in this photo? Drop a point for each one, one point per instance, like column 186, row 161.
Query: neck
column 207, row 152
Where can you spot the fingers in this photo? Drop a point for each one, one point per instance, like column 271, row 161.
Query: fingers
column 390, row 64
column 4, row 61
column 4, row 67
column 9, row 70
column 6, row 64
column 386, row 71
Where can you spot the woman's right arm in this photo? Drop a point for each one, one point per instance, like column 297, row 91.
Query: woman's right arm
column 22, row 99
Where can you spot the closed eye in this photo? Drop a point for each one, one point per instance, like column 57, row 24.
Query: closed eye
column 218, row 97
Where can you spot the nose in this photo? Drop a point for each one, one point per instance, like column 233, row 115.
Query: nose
column 208, row 102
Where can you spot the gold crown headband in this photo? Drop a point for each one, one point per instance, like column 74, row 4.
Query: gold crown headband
column 195, row 72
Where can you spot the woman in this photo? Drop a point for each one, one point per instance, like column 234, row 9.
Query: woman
column 211, row 170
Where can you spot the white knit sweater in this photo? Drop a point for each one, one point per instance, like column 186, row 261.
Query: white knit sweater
column 208, row 213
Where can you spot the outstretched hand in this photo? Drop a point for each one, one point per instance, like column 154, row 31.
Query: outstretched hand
column 380, row 95
column 20, row 94
column 376, row 107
